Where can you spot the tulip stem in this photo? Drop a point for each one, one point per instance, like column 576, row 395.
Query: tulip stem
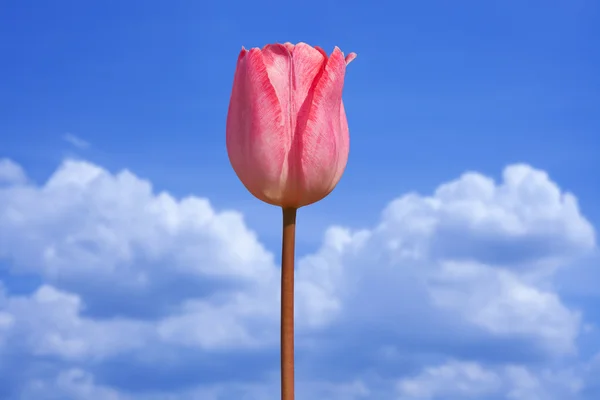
column 287, row 304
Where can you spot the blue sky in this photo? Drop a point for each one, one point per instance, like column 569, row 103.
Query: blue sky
column 415, row 281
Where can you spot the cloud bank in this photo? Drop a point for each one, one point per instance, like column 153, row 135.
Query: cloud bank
column 111, row 290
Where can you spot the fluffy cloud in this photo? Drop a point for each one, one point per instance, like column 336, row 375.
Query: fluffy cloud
column 140, row 295
column 469, row 380
column 10, row 172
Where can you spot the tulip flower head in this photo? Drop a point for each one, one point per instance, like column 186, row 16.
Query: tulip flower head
column 287, row 132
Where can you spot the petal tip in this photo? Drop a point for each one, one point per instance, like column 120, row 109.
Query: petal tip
column 323, row 52
column 350, row 57
column 242, row 54
column 278, row 47
column 289, row 46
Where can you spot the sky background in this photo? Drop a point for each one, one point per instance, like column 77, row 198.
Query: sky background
column 456, row 259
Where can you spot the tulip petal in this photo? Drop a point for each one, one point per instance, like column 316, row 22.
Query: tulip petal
column 289, row 46
column 278, row 63
column 319, row 131
column 308, row 63
column 343, row 147
column 257, row 143
column 350, row 57
column 292, row 76
column 236, row 135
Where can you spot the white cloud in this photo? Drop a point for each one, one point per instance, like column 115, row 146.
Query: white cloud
column 77, row 384
column 168, row 286
column 11, row 172
column 470, row 380
column 49, row 323
column 474, row 253
column 499, row 302
column 523, row 221
column 454, row 379
column 76, row 141
column 74, row 384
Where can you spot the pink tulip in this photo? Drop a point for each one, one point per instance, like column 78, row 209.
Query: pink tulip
column 288, row 142
column 287, row 133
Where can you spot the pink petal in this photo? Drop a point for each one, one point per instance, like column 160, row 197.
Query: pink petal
column 343, row 148
column 289, row 46
column 256, row 131
column 309, row 63
column 292, row 76
column 278, row 62
column 320, row 133
column 237, row 141
column 350, row 57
